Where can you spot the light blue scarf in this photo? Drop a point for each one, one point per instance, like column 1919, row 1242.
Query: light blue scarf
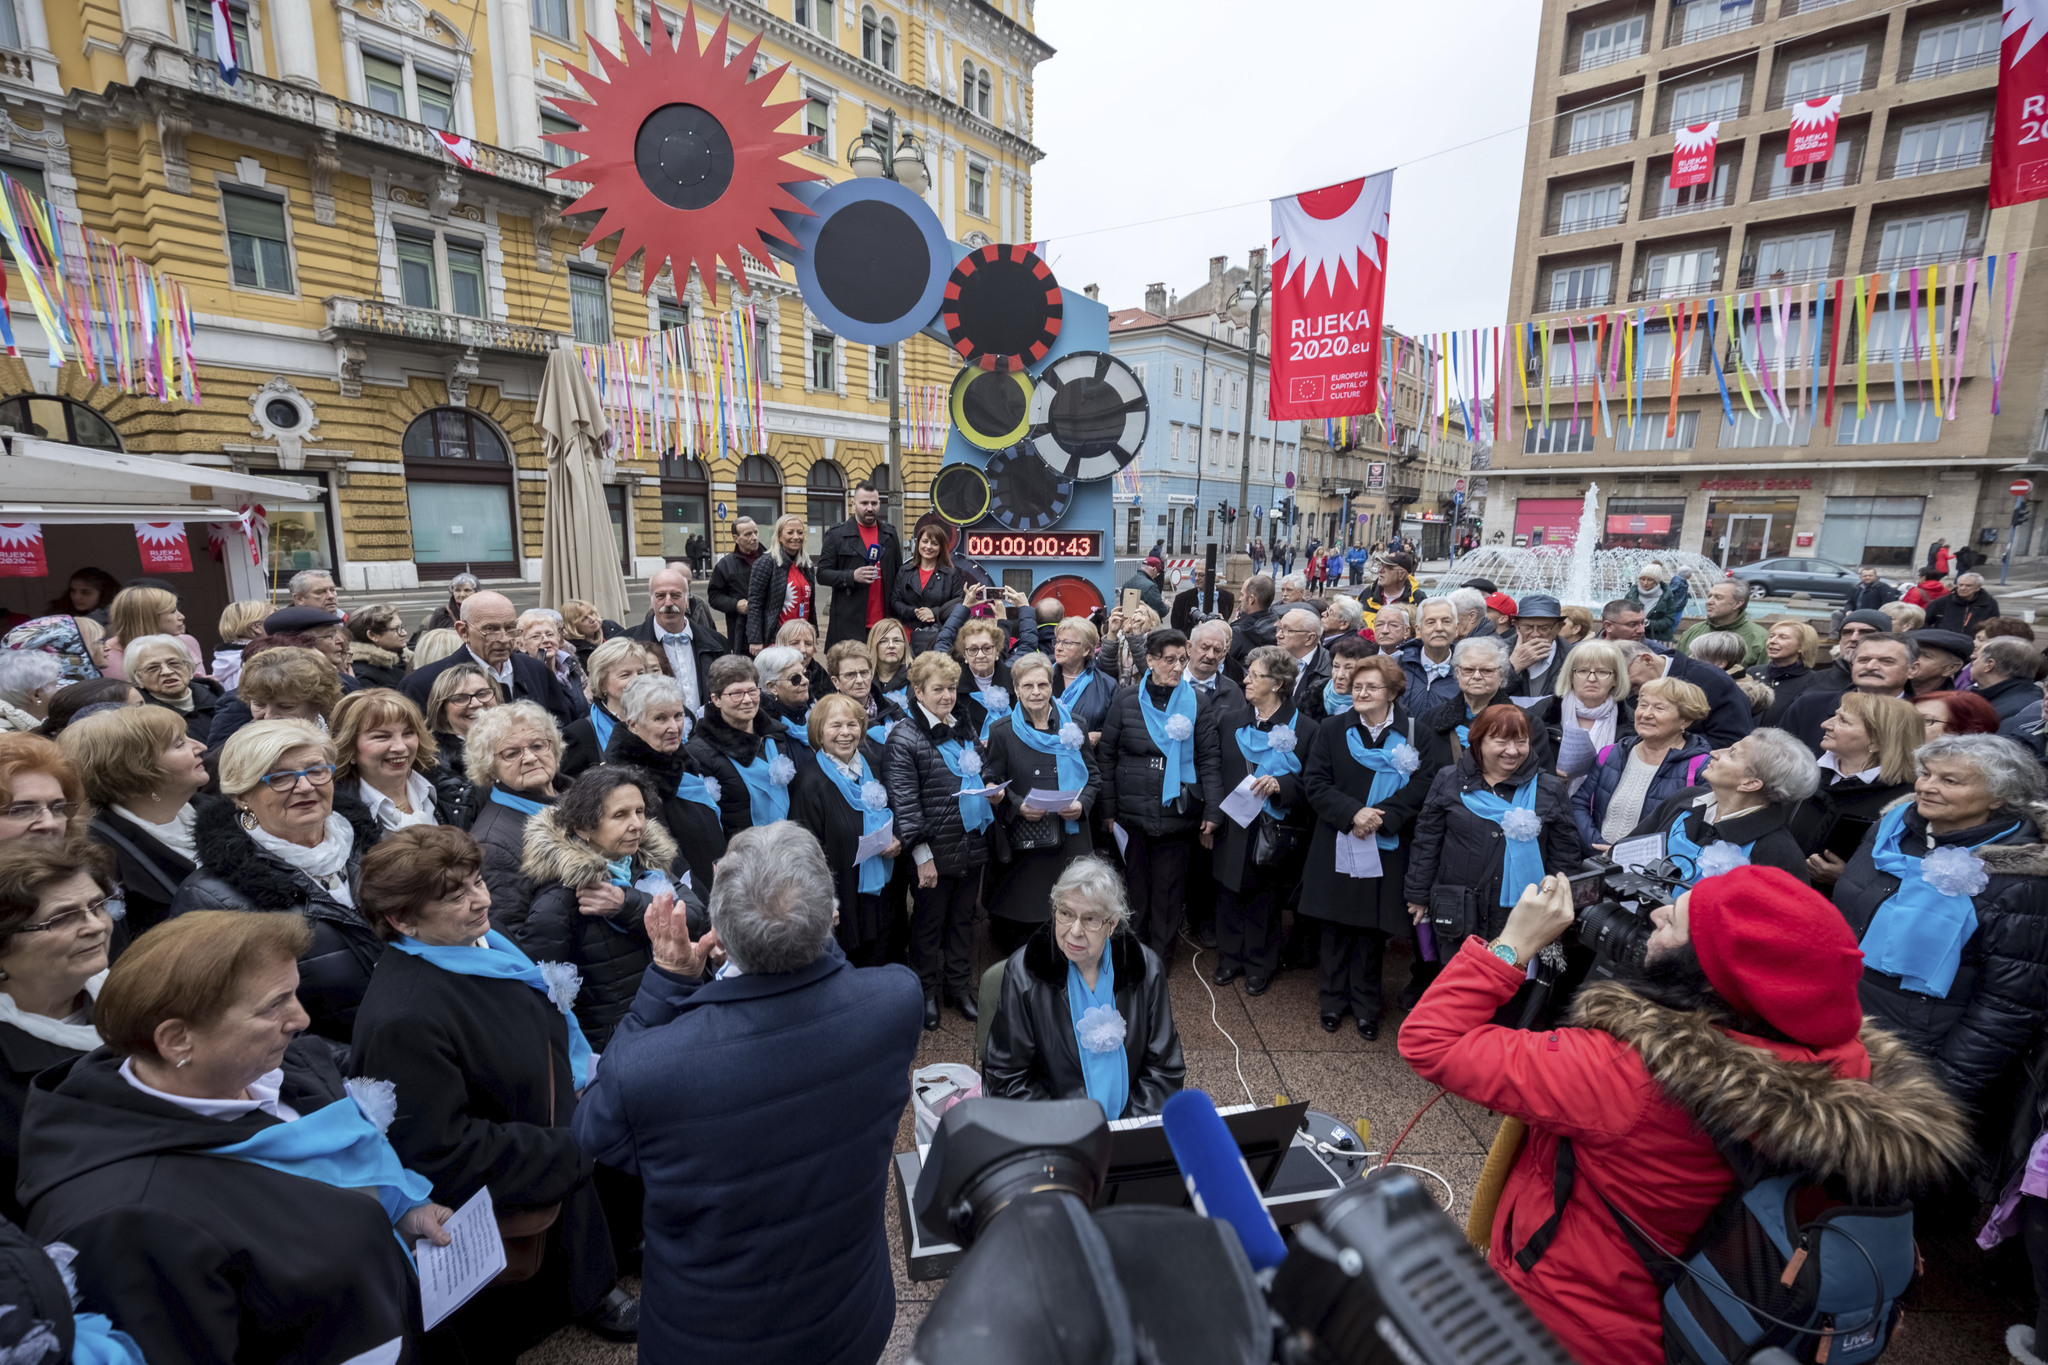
column 871, row 799
column 98, row 1342
column 602, row 724
column 1173, row 734
column 767, row 799
column 1335, row 703
column 514, row 801
column 1522, row 865
column 1392, row 767
column 1076, row 689
column 1696, row 862
column 1918, row 934
column 975, row 813
column 337, row 1145
column 798, row 731
column 1106, row 1071
column 1065, row 748
column 693, row 787
column 1269, row 759
column 500, row 959
column 992, row 709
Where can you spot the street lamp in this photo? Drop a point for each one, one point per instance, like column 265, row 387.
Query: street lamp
column 1251, row 299
column 884, row 151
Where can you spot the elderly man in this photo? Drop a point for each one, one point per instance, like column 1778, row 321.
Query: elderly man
column 1392, row 628
column 729, row 577
column 315, row 588
column 758, row 1106
column 1536, row 656
column 1728, row 714
column 1343, row 616
column 1396, row 584
column 1883, row 668
column 1622, row 619
column 1943, row 654
column 680, row 628
column 1965, row 609
column 2003, row 672
column 1208, row 647
column 1728, row 609
column 1470, row 604
column 858, row 560
column 1426, row 659
column 1255, row 624
column 489, row 627
column 1293, row 589
column 1187, row 603
column 1300, row 634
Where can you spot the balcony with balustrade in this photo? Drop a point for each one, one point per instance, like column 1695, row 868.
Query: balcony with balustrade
column 1685, row 28
column 1935, row 165
column 399, row 322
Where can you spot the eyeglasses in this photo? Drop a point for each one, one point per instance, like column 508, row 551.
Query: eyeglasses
column 854, row 675
column 319, row 775
column 35, row 810
column 982, row 648
column 538, row 749
column 736, row 695
column 1067, row 919
column 1592, row 673
column 1479, row 672
column 473, row 699
column 69, row 920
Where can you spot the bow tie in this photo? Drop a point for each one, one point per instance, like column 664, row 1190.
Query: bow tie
column 1435, row 671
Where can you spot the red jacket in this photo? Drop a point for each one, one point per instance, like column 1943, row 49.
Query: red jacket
column 1925, row 593
column 1638, row 1088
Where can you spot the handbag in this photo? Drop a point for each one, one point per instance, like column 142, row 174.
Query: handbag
column 1453, row 915
column 1273, row 841
column 524, row 1231
column 1030, row 834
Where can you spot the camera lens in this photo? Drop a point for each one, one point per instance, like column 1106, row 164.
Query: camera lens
column 1618, row 937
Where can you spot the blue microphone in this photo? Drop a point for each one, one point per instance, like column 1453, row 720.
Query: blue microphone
column 1217, row 1177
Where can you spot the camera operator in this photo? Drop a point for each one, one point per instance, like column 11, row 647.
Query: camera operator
column 1747, row 795
column 1750, row 980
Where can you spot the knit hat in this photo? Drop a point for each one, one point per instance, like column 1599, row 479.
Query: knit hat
column 1876, row 620
column 1501, row 603
column 1776, row 950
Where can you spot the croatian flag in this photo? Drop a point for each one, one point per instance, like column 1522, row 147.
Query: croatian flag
column 224, row 42
column 456, row 146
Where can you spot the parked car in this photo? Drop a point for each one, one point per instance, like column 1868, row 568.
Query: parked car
column 1782, row 577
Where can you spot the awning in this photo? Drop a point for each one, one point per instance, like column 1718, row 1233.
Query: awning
column 58, row 484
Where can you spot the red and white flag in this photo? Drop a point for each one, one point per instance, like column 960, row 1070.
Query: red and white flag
column 163, row 546
column 1813, row 131
column 2019, row 130
column 459, row 147
column 1329, row 277
column 1692, row 154
column 21, row 550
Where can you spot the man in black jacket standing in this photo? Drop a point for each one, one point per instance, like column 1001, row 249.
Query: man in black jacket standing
column 681, row 630
column 728, row 586
column 489, row 627
column 1965, row 609
column 1257, row 625
column 1870, row 592
column 1188, row 601
column 858, row 559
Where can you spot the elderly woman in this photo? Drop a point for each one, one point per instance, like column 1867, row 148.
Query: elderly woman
column 613, row 665
column 141, row 772
column 376, row 648
column 432, row 646
column 1866, row 764
column 978, row 646
column 284, row 837
column 930, row 767
column 582, row 628
column 597, row 858
column 512, row 757
column 541, row 637
column 140, row 611
column 1660, row 600
column 657, row 720
column 279, row 682
column 1480, row 666
column 889, row 647
column 1084, row 1008
column 205, row 1216
column 1905, row 616
column 41, row 797
column 838, row 796
column 1038, row 747
column 802, row 637
column 1636, row 773
column 781, row 587
column 928, row 588
column 400, row 773
column 1946, row 895
column 1577, row 626
column 55, row 933
column 1590, row 709
column 29, row 678
column 1791, row 648
column 1724, row 649
column 460, row 589
column 852, row 671
column 732, row 747
column 1956, row 713
column 488, row 1062
column 1743, row 806
column 159, row 665
column 1262, row 739
column 785, row 695
column 1082, row 688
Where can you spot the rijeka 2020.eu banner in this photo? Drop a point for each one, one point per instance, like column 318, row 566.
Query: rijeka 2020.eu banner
column 1329, row 276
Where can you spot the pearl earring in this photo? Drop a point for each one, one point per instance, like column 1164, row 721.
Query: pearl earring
column 181, row 1062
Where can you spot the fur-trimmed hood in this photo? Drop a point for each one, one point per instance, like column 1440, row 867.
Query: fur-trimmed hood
column 553, row 854
column 228, row 853
column 363, row 652
column 2027, row 856
column 1887, row 1137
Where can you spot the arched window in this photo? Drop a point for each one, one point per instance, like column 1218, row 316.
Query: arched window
column 889, row 46
column 459, row 484
column 685, row 505
column 967, row 86
column 870, row 35
column 824, row 502
column 982, row 93
column 758, row 493
column 59, row 419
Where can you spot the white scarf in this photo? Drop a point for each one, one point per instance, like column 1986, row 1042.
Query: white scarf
column 1649, row 598
column 175, row 836
column 326, row 862
column 1578, row 748
column 77, row 1037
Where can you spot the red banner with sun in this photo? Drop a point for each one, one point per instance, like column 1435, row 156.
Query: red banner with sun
column 1329, row 278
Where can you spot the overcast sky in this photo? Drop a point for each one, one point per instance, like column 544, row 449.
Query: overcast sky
column 1158, row 107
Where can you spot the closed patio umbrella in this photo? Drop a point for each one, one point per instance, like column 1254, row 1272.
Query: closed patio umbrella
column 578, row 557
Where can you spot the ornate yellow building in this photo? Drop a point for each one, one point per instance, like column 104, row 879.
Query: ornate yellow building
column 376, row 317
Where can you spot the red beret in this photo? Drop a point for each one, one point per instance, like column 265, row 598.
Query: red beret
column 1776, row 950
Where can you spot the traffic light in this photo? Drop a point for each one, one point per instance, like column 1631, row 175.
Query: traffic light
column 1226, row 512
column 1285, row 507
column 2022, row 513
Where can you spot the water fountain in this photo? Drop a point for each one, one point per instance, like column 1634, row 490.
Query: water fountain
column 1577, row 574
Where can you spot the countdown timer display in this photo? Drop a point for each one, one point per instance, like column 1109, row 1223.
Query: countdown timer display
column 1038, row 545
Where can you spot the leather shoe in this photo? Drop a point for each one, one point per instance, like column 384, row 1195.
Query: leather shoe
column 1332, row 1022
column 1256, row 985
column 931, row 1014
column 1225, row 975
column 968, row 1010
column 617, row 1318
column 1206, row 936
column 1368, row 1029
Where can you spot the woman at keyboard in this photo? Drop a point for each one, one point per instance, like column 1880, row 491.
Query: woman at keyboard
column 1084, row 1008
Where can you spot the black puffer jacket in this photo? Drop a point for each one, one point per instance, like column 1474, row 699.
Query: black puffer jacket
column 1989, row 1017
column 611, row 951
column 923, row 794
column 1812, row 821
column 713, row 750
column 500, row 831
column 939, row 597
column 236, row 874
column 1134, row 771
column 697, row 829
column 1453, row 847
column 1032, row 1053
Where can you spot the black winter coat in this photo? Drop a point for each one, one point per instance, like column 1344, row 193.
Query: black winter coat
column 500, row 831
column 376, row 666
column 1993, row 1010
column 149, row 874
column 206, row 699
column 1023, row 888
column 939, row 596
column 695, row 827
column 1437, row 733
column 2010, row 696
column 1032, row 1053
column 1833, row 678
column 1310, row 676
column 714, row 748
column 1248, row 632
column 840, row 553
column 580, row 747
column 1766, row 828
column 1803, row 718
column 485, row 1097
column 236, row 874
column 923, row 793
column 816, row 803
column 1134, row 771
column 1788, row 682
column 1953, row 613
column 727, row 588
column 1336, row 786
column 1455, row 848
column 23, row 1057
column 767, row 587
column 1231, row 857
column 205, row 1259
column 1847, row 798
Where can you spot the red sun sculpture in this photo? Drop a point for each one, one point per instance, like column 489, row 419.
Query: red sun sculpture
column 681, row 154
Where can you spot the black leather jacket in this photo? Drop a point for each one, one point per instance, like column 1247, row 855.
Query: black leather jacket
column 922, row 796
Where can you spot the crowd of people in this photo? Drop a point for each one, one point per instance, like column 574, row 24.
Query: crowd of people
column 578, row 911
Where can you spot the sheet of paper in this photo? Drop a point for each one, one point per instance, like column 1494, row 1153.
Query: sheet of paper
column 1526, row 702
column 1040, row 802
column 1358, row 857
column 1241, row 805
column 451, row 1275
column 1637, row 854
column 1123, row 840
column 871, row 844
column 990, row 792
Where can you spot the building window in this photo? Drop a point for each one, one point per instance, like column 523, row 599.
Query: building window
column 590, row 312
column 1916, row 241
column 967, row 86
column 416, row 283
column 258, row 257
column 815, row 15
column 877, row 40
column 1676, row 274
column 1602, row 127
column 822, row 368
column 1790, row 260
column 1816, row 175
column 1700, row 20
column 384, row 85
column 10, row 26
column 977, row 190
column 818, row 124
column 1925, row 148
column 459, row 490
column 1689, row 198
column 671, row 315
column 1761, row 431
column 981, row 92
column 824, row 503
column 762, row 361
column 437, row 100
column 883, row 368
column 59, row 419
column 556, row 154
column 1582, row 286
column 1824, row 74
column 199, row 27
column 1177, row 376
column 1887, row 424
column 1173, row 442
column 466, row 290
column 889, row 46
column 758, row 491
column 1561, row 436
column 1880, row 531
column 1705, row 102
column 1956, row 47
column 1585, row 210
column 551, row 17
column 1610, row 43
column 1648, row 432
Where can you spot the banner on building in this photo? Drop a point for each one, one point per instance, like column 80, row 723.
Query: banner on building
column 2019, row 129
column 1813, row 131
column 21, row 550
column 163, row 546
column 1329, row 276
column 1692, row 154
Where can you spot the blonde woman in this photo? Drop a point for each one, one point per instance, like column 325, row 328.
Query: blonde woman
column 1590, row 710
column 1905, row 616
column 241, row 625
column 889, row 648
column 802, row 637
column 1791, row 650
column 141, row 611
column 381, row 744
column 1866, row 763
column 783, row 586
column 613, row 665
column 1632, row 777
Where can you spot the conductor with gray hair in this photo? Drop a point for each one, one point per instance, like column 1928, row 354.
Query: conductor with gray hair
column 759, row 1105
